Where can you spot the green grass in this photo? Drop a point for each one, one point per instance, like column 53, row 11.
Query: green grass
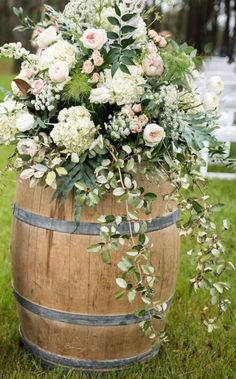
column 190, row 354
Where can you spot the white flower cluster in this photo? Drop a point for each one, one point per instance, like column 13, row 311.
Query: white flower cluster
column 9, row 112
column 47, row 98
column 82, row 14
column 60, row 51
column 74, row 131
column 14, row 50
column 118, row 127
column 121, row 89
column 165, row 100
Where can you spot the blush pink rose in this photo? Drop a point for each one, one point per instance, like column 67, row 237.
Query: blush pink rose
column 153, row 65
column 94, row 39
column 163, row 42
column 143, row 118
column 127, row 111
column 97, row 58
column 153, row 135
column 26, row 73
column 137, row 126
column 152, row 33
column 88, row 67
column 137, row 108
column 59, row 72
column 37, row 86
column 95, row 78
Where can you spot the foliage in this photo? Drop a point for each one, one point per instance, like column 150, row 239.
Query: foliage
column 107, row 103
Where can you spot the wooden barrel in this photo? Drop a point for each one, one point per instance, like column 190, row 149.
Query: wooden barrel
column 69, row 316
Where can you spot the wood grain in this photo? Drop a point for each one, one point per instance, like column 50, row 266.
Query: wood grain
column 55, row 271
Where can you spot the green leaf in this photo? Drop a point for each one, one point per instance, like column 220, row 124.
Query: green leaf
column 118, row 191
column 113, row 21
column 80, row 198
column 112, row 35
column 106, row 257
column 127, row 60
column 133, row 215
column 218, row 287
column 94, row 248
column 147, row 269
column 125, row 69
column 127, row 29
column 117, row 10
column 130, row 164
column 128, row 182
column 114, row 68
column 120, row 295
column 150, row 196
column 128, row 17
column 127, row 149
column 226, row 224
column 197, row 207
column 61, row 171
column 129, row 53
column 81, row 186
column 50, row 179
column 131, row 296
column 217, row 207
column 121, row 283
column 127, row 42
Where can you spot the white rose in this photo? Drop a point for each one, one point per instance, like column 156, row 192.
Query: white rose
column 210, row 101
column 27, row 147
column 153, row 65
column 100, row 95
column 215, row 84
column 47, row 37
column 94, row 38
column 153, row 134
column 59, row 72
column 25, row 122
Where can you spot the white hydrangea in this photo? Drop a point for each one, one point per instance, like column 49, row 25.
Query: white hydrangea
column 74, row 131
column 121, row 89
column 59, row 51
column 10, row 111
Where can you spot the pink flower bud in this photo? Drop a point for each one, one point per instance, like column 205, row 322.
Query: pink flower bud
column 143, row 118
column 95, row 78
column 137, row 108
column 163, row 42
column 152, row 33
column 137, row 126
column 88, row 67
column 37, row 86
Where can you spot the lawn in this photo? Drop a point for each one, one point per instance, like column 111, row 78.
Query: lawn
column 190, row 354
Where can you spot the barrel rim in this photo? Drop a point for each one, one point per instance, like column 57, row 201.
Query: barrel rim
column 52, row 359
column 88, row 320
column 90, row 228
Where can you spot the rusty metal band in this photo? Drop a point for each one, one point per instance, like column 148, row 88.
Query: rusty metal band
column 88, row 320
column 52, row 360
column 88, row 228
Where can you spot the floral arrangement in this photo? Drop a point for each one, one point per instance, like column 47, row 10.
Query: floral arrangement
column 107, row 97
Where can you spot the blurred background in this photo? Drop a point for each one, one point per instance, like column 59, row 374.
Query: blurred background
column 209, row 25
